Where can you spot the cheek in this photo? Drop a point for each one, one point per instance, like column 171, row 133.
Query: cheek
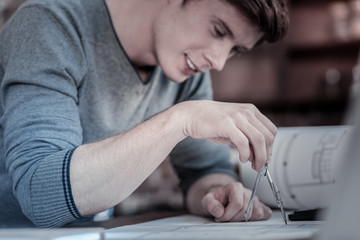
column 165, row 50
column 166, row 42
column 170, row 61
column 169, row 50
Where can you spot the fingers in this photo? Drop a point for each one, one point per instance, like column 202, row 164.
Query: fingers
column 250, row 145
column 253, row 135
column 241, row 125
column 259, row 212
column 238, row 203
column 229, row 203
column 241, row 143
column 238, row 200
column 261, row 134
column 213, row 204
column 265, row 121
column 258, row 147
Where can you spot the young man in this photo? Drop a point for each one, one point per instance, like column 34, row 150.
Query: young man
column 96, row 94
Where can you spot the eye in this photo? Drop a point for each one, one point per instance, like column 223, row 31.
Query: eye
column 218, row 33
column 235, row 50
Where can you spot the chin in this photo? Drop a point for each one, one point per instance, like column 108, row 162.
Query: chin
column 177, row 78
column 173, row 73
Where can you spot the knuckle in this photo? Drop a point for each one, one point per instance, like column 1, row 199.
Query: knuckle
column 240, row 118
column 273, row 128
column 271, row 138
column 248, row 113
column 244, row 142
column 259, row 139
column 238, row 205
column 209, row 206
column 242, row 145
column 244, row 154
column 207, row 200
column 237, row 184
column 248, row 192
column 250, row 106
column 228, row 119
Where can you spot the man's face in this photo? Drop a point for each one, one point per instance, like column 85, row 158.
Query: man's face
column 199, row 36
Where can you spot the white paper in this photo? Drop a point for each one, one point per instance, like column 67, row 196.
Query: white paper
column 195, row 227
column 305, row 165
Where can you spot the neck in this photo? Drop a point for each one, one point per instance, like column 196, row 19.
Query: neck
column 132, row 20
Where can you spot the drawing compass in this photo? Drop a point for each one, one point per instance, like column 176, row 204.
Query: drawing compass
column 274, row 189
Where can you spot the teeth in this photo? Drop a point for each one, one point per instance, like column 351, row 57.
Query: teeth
column 190, row 64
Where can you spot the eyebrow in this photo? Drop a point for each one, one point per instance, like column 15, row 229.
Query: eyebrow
column 225, row 26
column 243, row 48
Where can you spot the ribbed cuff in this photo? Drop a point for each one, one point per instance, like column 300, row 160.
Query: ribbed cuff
column 52, row 200
column 67, row 187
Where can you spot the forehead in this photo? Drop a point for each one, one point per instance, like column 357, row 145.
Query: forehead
column 218, row 10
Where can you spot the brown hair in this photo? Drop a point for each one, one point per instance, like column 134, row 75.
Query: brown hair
column 271, row 16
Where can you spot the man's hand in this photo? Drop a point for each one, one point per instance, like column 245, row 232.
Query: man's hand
column 241, row 125
column 221, row 196
column 228, row 204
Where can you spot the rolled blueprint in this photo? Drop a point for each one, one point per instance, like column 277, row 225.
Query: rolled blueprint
column 305, row 166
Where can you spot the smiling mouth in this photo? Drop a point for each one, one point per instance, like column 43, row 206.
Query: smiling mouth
column 191, row 65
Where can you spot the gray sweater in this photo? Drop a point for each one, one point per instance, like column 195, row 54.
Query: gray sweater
column 66, row 81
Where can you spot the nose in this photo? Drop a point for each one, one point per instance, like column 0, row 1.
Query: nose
column 217, row 57
column 219, row 63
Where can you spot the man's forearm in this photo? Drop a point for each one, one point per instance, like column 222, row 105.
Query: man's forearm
column 104, row 173
column 201, row 187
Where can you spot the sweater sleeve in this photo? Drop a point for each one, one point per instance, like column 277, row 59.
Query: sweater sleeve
column 195, row 158
column 43, row 64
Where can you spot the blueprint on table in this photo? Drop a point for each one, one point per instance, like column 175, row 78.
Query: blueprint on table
column 195, row 227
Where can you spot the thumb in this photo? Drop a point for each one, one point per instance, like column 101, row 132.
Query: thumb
column 217, row 210
column 213, row 206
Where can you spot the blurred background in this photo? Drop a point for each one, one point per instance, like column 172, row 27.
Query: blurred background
column 306, row 79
